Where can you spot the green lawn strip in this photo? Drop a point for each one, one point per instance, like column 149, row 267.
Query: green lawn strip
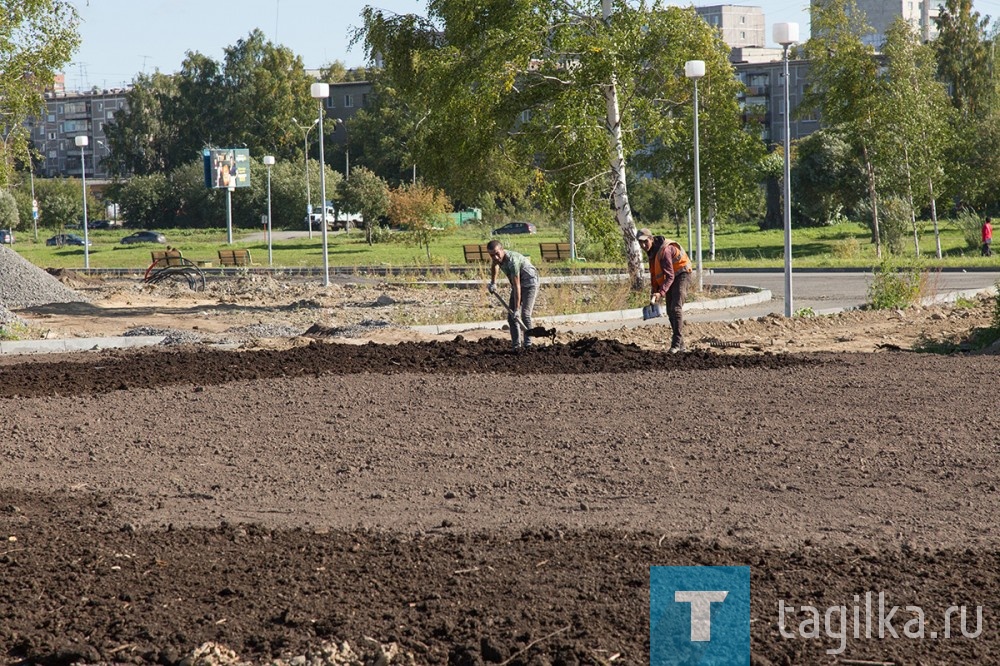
column 844, row 245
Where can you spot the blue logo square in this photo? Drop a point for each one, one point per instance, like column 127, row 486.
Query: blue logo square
column 699, row 616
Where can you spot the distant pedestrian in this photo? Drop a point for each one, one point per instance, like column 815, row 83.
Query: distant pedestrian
column 523, row 277
column 669, row 273
column 987, row 238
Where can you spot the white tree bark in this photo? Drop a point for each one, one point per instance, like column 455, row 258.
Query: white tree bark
column 623, row 211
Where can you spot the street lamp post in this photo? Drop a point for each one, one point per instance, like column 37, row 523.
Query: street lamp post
column 319, row 92
column 305, row 152
column 787, row 34
column 269, row 162
column 34, row 201
column 82, row 142
column 347, row 151
column 694, row 70
column 229, row 210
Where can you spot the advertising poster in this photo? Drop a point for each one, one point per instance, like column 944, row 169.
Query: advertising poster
column 227, row 167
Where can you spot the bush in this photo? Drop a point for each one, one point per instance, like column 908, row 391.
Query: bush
column 896, row 221
column 847, row 248
column 996, row 308
column 971, row 226
column 894, row 285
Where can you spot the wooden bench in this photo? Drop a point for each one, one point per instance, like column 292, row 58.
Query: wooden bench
column 169, row 257
column 555, row 251
column 169, row 264
column 476, row 253
column 237, row 257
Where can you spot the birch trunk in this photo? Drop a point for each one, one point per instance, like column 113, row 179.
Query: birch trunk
column 623, row 211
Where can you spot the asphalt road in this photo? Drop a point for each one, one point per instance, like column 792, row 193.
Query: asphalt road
column 825, row 291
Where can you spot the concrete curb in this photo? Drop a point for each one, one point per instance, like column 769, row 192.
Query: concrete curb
column 753, row 296
column 78, row 344
column 953, row 296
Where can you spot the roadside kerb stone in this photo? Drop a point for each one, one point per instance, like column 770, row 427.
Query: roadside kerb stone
column 77, row 344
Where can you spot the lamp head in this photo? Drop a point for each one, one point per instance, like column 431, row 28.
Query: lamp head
column 694, row 69
column 319, row 90
column 268, row 160
column 786, row 34
column 81, row 141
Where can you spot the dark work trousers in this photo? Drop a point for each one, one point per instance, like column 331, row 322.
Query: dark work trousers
column 529, row 290
column 987, row 249
column 675, row 307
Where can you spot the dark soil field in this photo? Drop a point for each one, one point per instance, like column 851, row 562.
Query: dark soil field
column 460, row 504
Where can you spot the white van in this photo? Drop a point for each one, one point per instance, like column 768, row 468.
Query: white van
column 335, row 221
column 315, row 220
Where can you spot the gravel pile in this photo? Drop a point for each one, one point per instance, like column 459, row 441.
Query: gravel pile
column 259, row 331
column 348, row 331
column 24, row 285
column 171, row 336
column 7, row 318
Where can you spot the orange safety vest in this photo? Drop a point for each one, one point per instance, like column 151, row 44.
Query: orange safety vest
column 682, row 264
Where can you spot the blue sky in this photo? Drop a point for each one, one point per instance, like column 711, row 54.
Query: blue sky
column 122, row 38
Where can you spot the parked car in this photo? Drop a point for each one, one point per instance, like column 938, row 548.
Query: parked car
column 515, row 228
column 144, row 237
column 6, row 237
column 100, row 224
column 66, row 239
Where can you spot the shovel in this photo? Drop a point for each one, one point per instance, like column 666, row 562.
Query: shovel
column 534, row 331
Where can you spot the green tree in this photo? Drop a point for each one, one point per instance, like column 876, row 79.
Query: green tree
column 368, row 194
column 824, row 181
column 539, row 93
column 847, row 90
column 9, row 217
column 657, row 201
column 963, row 57
column 60, row 202
column 140, row 134
column 142, row 200
column 264, row 86
column 37, row 38
column 249, row 100
column 382, row 134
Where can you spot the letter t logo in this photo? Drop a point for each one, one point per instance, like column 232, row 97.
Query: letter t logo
column 701, row 610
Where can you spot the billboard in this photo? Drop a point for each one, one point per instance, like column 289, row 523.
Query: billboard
column 226, row 167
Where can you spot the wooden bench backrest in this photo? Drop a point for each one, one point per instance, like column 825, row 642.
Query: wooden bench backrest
column 474, row 253
column 236, row 257
column 555, row 251
column 167, row 258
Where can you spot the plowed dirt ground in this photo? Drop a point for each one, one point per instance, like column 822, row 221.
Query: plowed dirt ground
column 476, row 506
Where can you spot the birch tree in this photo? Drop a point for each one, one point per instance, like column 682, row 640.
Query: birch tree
column 917, row 115
column 846, row 88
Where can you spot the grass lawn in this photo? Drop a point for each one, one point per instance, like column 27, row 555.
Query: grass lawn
column 845, row 245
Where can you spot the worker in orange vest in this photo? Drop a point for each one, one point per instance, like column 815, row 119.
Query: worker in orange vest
column 669, row 273
column 987, row 238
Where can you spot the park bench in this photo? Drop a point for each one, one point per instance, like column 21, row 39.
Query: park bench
column 475, row 253
column 170, row 265
column 236, row 257
column 555, row 251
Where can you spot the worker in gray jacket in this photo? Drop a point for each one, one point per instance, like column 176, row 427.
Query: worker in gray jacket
column 523, row 277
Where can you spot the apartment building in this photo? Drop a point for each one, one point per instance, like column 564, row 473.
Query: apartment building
column 345, row 100
column 763, row 102
column 880, row 14
column 739, row 25
column 68, row 115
